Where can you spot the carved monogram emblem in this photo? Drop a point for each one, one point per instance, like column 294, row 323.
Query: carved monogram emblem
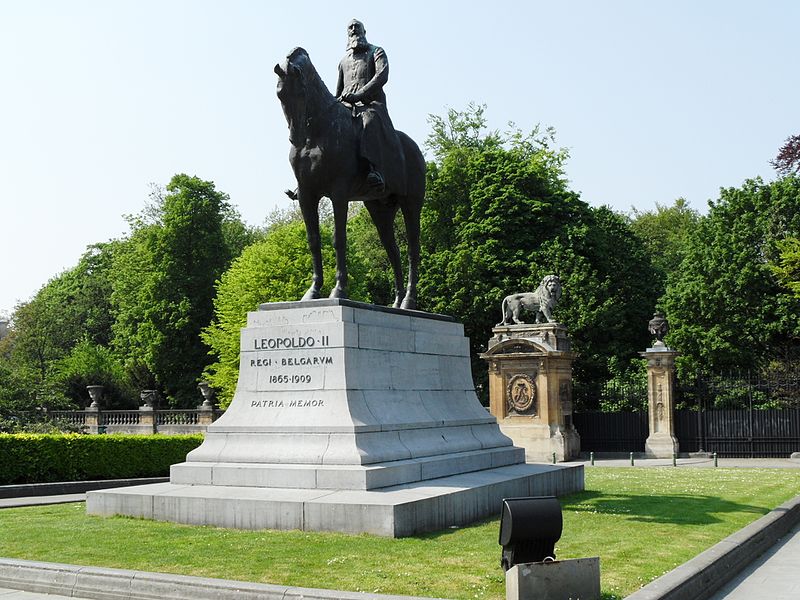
column 521, row 394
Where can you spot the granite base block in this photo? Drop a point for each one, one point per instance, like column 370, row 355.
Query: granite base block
column 395, row 511
column 574, row 579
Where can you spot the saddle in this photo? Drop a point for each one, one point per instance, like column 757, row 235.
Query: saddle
column 380, row 145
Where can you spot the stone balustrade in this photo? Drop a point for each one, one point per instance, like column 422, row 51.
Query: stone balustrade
column 145, row 420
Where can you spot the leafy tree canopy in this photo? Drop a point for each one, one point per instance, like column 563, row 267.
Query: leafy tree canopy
column 71, row 307
column 129, row 314
column 665, row 232
column 788, row 160
column 726, row 306
column 499, row 216
column 788, row 265
column 164, row 286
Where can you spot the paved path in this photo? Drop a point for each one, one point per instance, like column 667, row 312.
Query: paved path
column 776, row 575
column 6, row 594
column 41, row 500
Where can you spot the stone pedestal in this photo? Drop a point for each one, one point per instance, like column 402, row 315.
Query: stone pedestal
column 147, row 420
column 92, row 421
column 205, row 415
column 346, row 417
column 530, row 389
column 661, row 443
column 573, row 579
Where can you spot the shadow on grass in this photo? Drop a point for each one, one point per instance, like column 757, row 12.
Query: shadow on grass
column 665, row 508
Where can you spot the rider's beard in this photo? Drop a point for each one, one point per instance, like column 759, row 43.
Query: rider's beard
column 357, row 42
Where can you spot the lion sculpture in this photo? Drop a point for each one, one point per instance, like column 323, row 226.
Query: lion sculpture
column 541, row 302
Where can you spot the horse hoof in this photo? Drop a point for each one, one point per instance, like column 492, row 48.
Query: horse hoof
column 337, row 292
column 409, row 304
column 311, row 294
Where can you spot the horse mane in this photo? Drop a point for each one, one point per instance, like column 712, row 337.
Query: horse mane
column 317, row 93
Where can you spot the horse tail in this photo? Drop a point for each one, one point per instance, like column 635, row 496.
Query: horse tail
column 415, row 166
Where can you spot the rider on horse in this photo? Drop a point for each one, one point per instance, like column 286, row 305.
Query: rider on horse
column 363, row 72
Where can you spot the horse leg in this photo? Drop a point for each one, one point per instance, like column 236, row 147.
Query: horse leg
column 411, row 214
column 340, row 247
column 310, row 209
column 383, row 218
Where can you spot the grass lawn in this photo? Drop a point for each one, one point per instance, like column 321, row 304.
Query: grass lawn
column 642, row 522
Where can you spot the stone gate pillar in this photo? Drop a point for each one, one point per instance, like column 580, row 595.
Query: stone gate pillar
column 661, row 443
column 530, row 389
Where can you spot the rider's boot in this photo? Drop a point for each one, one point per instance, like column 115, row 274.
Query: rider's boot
column 375, row 181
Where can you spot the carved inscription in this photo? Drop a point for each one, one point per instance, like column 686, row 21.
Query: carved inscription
column 291, row 403
column 290, row 342
column 291, row 361
column 288, row 363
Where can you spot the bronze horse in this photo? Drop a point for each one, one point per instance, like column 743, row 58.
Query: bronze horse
column 324, row 156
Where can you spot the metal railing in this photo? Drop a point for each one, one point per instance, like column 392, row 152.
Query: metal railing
column 735, row 414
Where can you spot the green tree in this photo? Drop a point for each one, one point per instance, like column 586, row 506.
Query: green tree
column 499, row 216
column 378, row 278
column 71, row 307
column 164, row 287
column 137, row 295
column 665, row 232
column 133, row 279
column 726, row 306
column 89, row 363
column 275, row 269
column 788, row 264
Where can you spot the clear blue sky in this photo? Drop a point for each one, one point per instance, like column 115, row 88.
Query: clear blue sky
column 100, row 98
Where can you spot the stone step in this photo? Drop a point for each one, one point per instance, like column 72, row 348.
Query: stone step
column 396, row 511
column 344, row 477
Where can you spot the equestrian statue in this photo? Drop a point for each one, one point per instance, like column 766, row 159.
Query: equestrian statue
column 345, row 147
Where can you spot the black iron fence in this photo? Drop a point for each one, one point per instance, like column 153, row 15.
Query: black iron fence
column 611, row 431
column 740, row 433
column 741, row 390
column 767, row 433
column 734, row 415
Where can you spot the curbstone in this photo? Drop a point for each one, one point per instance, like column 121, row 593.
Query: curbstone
column 705, row 574
column 99, row 583
column 27, row 490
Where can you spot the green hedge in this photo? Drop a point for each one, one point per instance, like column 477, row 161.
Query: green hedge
column 40, row 458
